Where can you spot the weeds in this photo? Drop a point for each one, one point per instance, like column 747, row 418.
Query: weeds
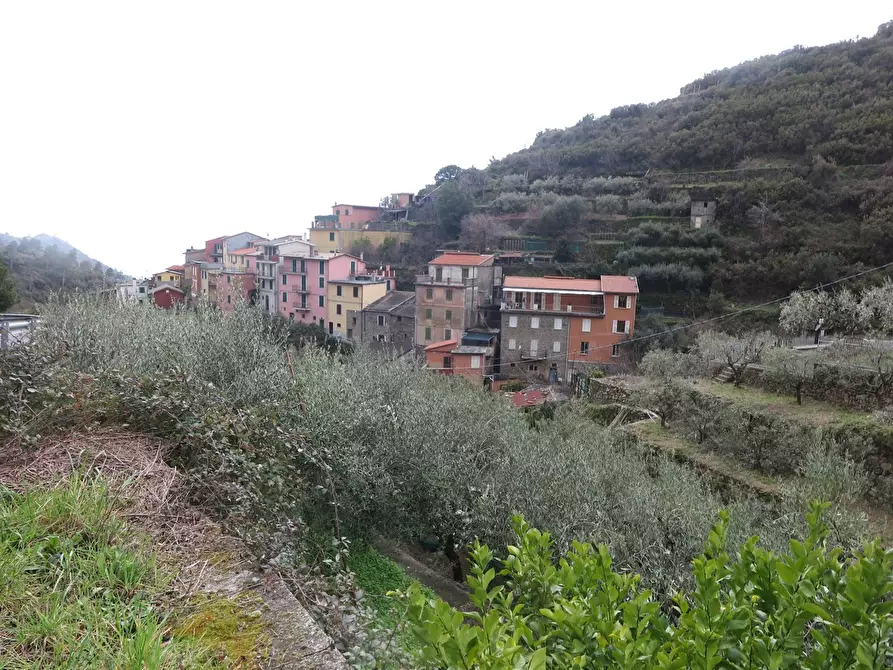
column 73, row 594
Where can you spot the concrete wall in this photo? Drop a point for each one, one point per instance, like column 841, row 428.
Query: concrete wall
column 395, row 330
column 328, row 240
column 703, row 213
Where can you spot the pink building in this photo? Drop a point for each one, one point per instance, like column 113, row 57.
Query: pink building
column 354, row 216
column 304, row 280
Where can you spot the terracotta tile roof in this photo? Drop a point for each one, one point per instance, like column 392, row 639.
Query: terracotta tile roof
column 552, row 283
column 176, row 268
column 442, row 345
column 607, row 284
column 243, row 252
column 462, row 258
column 618, row 284
column 528, row 398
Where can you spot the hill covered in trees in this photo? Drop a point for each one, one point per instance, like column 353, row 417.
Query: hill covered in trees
column 41, row 265
column 795, row 149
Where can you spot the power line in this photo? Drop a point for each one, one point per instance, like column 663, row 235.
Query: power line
column 730, row 315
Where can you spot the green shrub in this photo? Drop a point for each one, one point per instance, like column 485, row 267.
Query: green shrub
column 810, row 607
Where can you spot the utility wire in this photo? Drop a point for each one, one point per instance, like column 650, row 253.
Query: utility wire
column 730, row 315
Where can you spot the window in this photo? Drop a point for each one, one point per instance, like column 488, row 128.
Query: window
column 338, row 325
column 448, row 333
column 438, row 274
column 429, row 294
column 449, row 315
column 228, row 279
column 475, row 362
column 346, row 211
column 447, row 362
column 229, row 299
column 356, row 291
column 513, row 322
column 621, row 301
column 534, row 345
column 556, row 346
column 285, row 280
column 449, row 294
column 337, row 212
column 584, row 347
column 331, row 237
column 587, row 325
column 615, row 350
column 621, row 327
column 354, row 320
column 338, row 289
column 534, row 322
column 338, row 309
column 512, row 344
column 322, row 267
column 322, row 301
column 322, row 282
column 291, row 315
column 303, row 266
column 381, row 319
column 142, row 289
column 428, row 313
column 698, row 222
column 304, row 303
column 464, row 273
column 349, row 333
column 427, row 334
column 284, row 297
column 558, row 323
column 399, row 319
column 247, row 262
column 353, row 267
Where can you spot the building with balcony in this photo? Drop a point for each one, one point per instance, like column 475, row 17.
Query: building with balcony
column 303, row 283
column 348, row 296
column 555, row 327
column 459, row 292
column 267, row 266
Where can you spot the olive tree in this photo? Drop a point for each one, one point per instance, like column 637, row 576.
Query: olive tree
column 735, row 352
column 839, row 311
column 880, row 301
column 794, row 369
column 664, row 394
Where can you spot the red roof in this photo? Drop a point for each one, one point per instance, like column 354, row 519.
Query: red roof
column 528, row 398
column 442, row 345
column 607, row 284
column 243, row 252
column 618, row 284
column 462, row 258
column 176, row 268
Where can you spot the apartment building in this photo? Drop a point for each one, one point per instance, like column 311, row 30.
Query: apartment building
column 555, row 327
column 348, row 296
column 459, row 292
column 304, row 281
column 267, row 266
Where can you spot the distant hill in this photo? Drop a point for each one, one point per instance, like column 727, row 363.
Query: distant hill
column 795, row 149
column 44, row 264
column 835, row 100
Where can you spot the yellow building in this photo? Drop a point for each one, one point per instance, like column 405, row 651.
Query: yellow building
column 347, row 297
column 328, row 240
column 169, row 277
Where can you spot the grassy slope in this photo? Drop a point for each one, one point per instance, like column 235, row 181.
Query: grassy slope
column 76, row 588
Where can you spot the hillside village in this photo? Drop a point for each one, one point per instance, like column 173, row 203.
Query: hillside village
column 623, row 398
column 465, row 316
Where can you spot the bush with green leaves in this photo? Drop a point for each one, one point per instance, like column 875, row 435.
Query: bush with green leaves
column 275, row 439
column 811, row 606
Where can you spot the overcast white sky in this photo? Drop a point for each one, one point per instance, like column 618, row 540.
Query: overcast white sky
column 134, row 130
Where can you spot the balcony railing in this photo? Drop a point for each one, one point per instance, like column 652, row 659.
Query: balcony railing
column 446, row 281
column 592, row 310
column 298, row 289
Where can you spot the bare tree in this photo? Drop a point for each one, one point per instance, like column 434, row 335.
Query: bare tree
column 481, row 232
column 794, row 369
column 736, row 352
column 763, row 217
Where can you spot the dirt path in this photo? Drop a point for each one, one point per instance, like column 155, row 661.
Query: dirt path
column 217, row 593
